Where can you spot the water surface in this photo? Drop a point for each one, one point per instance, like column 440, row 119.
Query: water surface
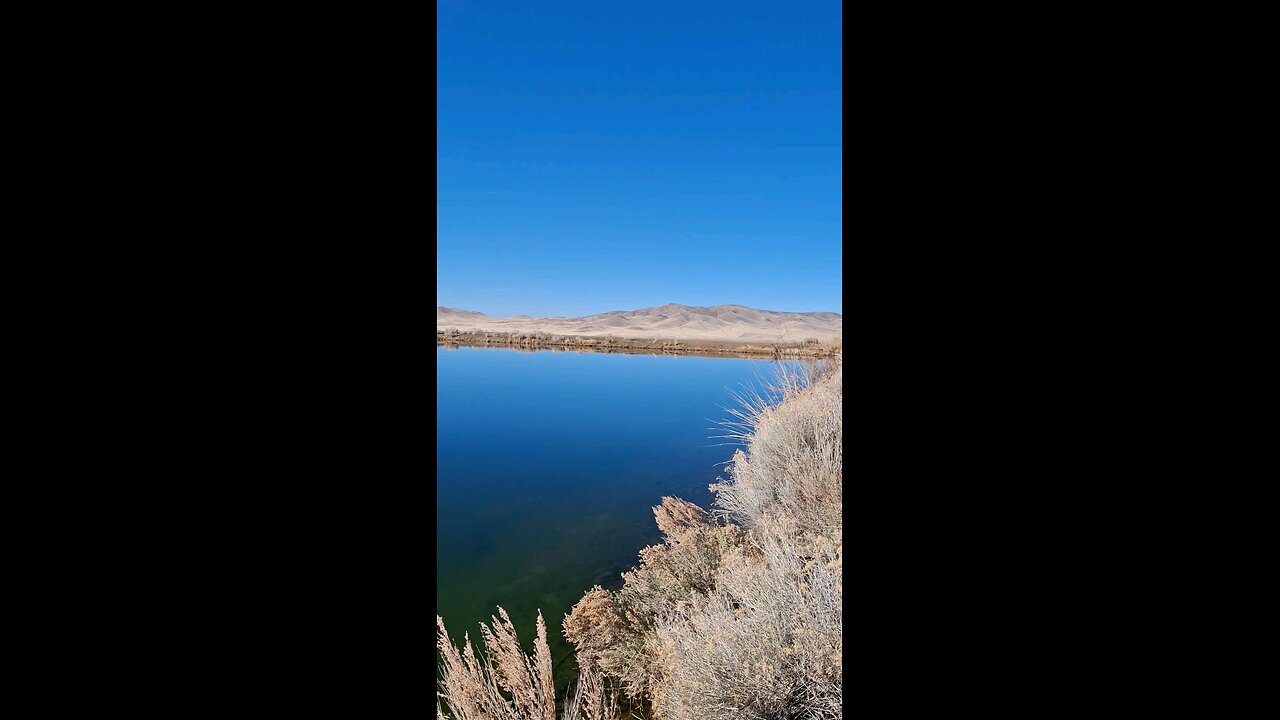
column 549, row 464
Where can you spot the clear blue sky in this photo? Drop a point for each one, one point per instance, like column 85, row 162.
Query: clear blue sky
column 596, row 156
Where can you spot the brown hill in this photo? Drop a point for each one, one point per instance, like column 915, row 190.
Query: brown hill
column 675, row 322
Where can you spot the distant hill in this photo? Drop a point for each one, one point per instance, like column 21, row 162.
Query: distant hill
column 443, row 313
column 677, row 322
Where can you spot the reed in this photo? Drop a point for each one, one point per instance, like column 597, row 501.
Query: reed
column 507, row 684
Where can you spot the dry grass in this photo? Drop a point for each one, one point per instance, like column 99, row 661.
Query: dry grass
column 508, row 684
column 592, row 699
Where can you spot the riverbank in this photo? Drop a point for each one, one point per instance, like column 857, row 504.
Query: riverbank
column 715, row 348
column 734, row 615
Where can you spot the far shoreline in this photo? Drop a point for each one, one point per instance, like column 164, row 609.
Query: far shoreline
column 664, row 346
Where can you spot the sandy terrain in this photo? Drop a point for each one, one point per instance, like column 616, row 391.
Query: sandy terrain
column 674, row 322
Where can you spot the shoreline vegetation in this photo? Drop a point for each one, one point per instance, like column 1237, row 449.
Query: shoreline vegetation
column 810, row 348
column 735, row 615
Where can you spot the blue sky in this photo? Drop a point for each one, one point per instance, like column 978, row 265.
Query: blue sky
column 610, row 156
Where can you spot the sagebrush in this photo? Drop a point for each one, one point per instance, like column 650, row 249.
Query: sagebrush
column 737, row 615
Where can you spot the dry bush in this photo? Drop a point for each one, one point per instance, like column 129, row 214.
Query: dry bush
column 675, row 516
column 597, row 629
column 794, row 463
column 740, row 620
column 767, row 644
column 681, row 569
column 508, row 684
column 617, row 632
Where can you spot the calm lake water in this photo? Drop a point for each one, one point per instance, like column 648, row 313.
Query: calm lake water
column 549, row 464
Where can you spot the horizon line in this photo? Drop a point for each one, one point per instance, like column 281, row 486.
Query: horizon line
column 650, row 307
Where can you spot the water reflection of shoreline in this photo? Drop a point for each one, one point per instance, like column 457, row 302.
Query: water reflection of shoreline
column 655, row 352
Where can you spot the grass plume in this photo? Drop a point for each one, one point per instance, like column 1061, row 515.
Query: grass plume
column 507, row 684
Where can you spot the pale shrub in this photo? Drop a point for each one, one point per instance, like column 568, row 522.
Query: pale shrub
column 741, row 620
column 767, row 644
column 794, row 463
column 616, row 632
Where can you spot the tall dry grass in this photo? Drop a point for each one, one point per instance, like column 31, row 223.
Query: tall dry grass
column 507, row 684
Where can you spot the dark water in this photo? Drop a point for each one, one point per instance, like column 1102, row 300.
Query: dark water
column 549, row 464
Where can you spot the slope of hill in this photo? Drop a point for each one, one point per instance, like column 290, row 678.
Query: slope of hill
column 734, row 323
